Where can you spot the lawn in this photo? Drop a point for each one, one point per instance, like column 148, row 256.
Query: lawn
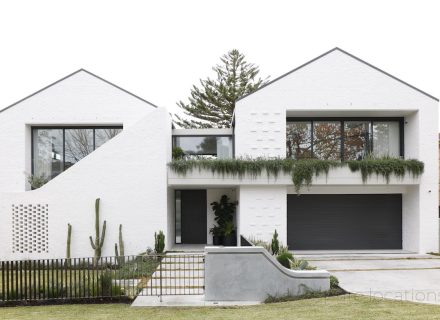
column 340, row 307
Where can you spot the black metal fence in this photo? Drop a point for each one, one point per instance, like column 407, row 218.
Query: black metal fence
column 107, row 277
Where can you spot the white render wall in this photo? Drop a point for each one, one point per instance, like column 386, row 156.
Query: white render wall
column 81, row 99
column 128, row 173
column 262, row 210
column 339, row 85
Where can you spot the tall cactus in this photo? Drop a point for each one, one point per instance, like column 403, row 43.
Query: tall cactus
column 120, row 258
column 99, row 241
column 69, row 236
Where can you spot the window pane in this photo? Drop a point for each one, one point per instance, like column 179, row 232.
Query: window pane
column 104, row 135
column 78, row 144
column 327, row 140
column 357, row 142
column 47, row 152
column 386, row 137
column 224, row 147
column 298, row 140
column 210, row 146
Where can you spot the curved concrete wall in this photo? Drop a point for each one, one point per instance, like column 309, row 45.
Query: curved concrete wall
column 252, row 274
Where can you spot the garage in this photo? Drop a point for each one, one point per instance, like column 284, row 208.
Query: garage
column 344, row 221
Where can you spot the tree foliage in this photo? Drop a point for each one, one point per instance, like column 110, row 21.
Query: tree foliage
column 212, row 103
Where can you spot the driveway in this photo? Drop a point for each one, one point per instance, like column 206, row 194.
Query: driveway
column 402, row 277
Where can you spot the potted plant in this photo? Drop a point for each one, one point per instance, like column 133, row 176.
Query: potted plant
column 229, row 234
column 224, row 216
column 217, row 234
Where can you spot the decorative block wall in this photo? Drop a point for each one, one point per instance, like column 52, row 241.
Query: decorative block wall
column 30, row 228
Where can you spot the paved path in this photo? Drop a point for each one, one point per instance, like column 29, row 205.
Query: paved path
column 413, row 278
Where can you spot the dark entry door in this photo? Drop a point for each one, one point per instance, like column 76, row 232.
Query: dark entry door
column 194, row 211
column 344, row 221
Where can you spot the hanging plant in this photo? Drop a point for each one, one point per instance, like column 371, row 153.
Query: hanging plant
column 302, row 171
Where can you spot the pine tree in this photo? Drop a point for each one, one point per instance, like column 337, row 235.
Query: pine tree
column 212, row 104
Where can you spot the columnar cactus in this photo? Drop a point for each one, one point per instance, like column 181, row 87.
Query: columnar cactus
column 120, row 257
column 69, row 236
column 99, row 240
column 159, row 242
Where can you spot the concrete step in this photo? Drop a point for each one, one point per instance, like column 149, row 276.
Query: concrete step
column 177, row 282
column 171, row 291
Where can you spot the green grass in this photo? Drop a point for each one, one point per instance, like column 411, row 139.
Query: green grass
column 340, row 307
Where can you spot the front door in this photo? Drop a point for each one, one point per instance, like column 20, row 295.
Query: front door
column 193, row 216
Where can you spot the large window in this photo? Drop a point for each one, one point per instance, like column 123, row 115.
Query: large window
column 346, row 139
column 56, row 149
column 220, row 147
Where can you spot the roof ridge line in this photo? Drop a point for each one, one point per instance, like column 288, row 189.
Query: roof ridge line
column 350, row 55
column 68, row 76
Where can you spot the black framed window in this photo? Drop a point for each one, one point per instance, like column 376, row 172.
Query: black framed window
column 299, row 139
column 55, row 149
column 327, row 140
column 344, row 138
column 220, row 147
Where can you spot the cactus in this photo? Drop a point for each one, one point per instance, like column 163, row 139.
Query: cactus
column 120, row 258
column 69, row 236
column 99, row 241
column 159, row 242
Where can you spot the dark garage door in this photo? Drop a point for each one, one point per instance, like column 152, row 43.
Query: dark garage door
column 344, row 221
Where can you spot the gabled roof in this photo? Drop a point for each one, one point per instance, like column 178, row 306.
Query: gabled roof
column 350, row 55
column 70, row 75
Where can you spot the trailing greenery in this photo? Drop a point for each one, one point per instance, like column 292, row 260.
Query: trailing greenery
column 386, row 167
column 302, row 171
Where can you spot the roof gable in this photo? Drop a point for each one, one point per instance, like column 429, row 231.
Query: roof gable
column 69, row 76
column 349, row 55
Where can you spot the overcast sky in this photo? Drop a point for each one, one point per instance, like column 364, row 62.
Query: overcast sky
column 158, row 49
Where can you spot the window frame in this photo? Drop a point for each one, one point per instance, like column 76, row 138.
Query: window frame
column 64, row 128
column 232, row 136
column 342, row 120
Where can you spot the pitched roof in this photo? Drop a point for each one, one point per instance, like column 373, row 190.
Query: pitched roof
column 70, row 75
column 350, row 55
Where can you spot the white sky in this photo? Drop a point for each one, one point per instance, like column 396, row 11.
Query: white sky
column 158, row 49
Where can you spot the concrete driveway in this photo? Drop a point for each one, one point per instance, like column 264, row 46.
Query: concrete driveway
column 402, row 277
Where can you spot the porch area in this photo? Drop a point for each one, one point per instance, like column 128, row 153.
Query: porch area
column 192, row 218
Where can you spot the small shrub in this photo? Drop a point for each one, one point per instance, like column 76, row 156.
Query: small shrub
column 284, row 259
column 37, row 181
column 334, row 282
column 105, row 281
column 275, row 245
column 159, row 242
column 307, row 295
column 178, row 153
column 299, row 264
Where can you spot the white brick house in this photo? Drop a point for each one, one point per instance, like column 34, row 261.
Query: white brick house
column 94, row 139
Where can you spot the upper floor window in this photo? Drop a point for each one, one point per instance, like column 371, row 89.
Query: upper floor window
column 346, row 139
column 220, row 147
column 56, row 149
